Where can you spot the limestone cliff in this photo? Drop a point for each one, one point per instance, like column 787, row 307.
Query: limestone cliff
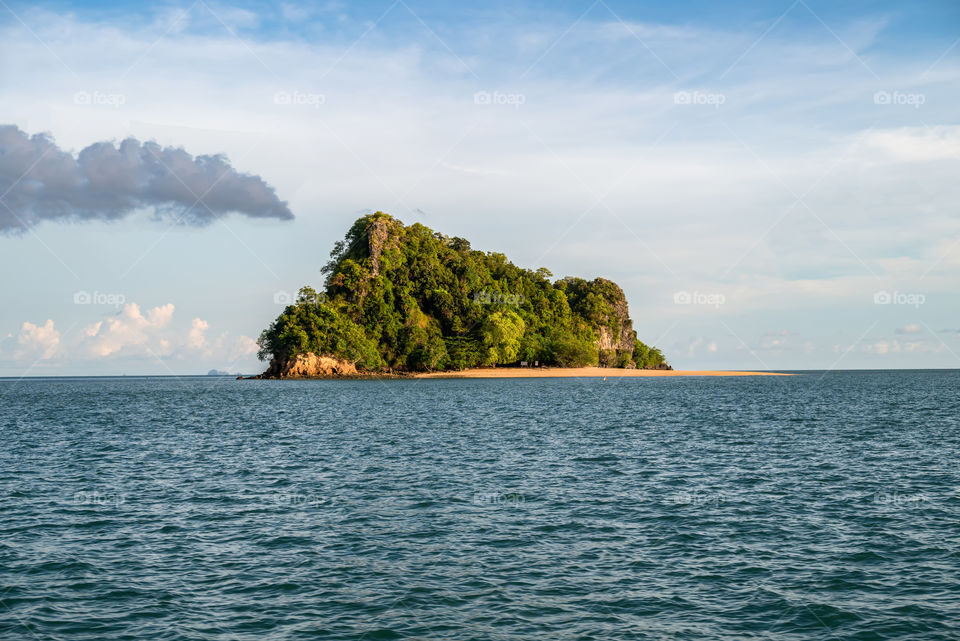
column 626, row 340
column 378, row 234
column 309, row 365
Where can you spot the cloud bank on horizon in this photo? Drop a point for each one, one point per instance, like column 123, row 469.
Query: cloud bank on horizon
column 128, row 333
column 41, row 182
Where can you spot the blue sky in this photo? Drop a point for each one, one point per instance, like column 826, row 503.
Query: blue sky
column 773, row 184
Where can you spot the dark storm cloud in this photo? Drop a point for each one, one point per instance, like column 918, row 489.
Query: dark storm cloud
column 39, row 181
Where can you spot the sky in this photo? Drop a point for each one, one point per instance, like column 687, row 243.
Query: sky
column 773, row 184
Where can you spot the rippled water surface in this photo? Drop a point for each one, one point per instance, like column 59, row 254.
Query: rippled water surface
column 822, row 506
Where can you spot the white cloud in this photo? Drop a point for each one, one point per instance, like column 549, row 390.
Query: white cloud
column 693, row 346
column 242, row 347
column 197, row 338
column 882, row 347
column 40, row 342
column 150, row 335
column 771, row 342
column 885, row 347
column 222, row 349
column 130, row 331
column 917, row 144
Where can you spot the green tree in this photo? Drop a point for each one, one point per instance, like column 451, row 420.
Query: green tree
column 571, row 351
column 501, row 333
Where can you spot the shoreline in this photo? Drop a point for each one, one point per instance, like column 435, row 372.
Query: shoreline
column 584, row 372
column 522, row 372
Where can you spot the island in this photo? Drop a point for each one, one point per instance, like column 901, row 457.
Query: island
column 404, row 300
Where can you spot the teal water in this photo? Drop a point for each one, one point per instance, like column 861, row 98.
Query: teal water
column 822, row 506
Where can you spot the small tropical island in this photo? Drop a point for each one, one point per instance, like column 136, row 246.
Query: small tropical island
column 402, row 299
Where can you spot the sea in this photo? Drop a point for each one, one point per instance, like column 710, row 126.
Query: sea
column 821, row 506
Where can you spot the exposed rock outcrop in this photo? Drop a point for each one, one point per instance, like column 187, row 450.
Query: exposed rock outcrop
column 378, row 234
column 616, row 330
column 309, row 365
column 606, row 339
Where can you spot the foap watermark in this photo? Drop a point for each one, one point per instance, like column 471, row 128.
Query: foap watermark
column 715, row 299
column 496, row 298
column 286, row 298
column 511, row 499
column 499, row 98
column 283, row 298
column 899, row 98
column 99, row 298
column 697, row 498
column 97, row 98
column 99, row 499
column 913, row 299
column 898, row 499
column 299, row 98
column 304, row 500
column 707, row 98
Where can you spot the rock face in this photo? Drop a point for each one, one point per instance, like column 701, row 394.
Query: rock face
column 626, row 341
column 616, row 331
column 377, row 236
column 309, row 365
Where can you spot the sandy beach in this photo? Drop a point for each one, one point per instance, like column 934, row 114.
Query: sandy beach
column 577, row 372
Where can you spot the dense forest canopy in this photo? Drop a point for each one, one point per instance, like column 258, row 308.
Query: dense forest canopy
column 407, row 298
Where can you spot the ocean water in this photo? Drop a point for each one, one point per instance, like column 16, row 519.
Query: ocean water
column 821, row 506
